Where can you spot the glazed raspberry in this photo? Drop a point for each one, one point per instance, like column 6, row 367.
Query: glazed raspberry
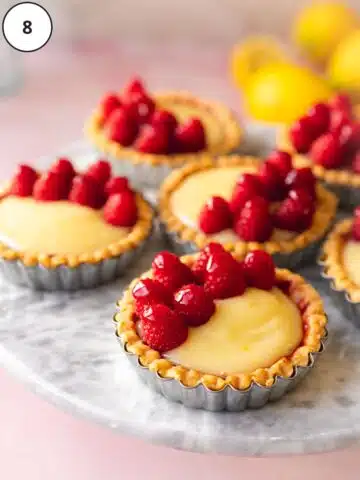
column 301, row 178
column 350, row 138
column 152, row 140
column 50, row 187
column 199, row 266
column 357, row 212
column 259, row 270
column 99, row 171
column 295, row 212
column 339, row 119
column 121, row 128
column 356, row 229
column 194, row 305
column 247, row 187
column 301, row 135
column 109, row 104
column 141, row 107
column 190, row 136
column 164, row 118
column 319, row 118
column 116, row 185
column 224, row 277
column 326, row 151
column 134, row 87
column 215, row 216
column 271, row 181
column 23, row 182
column 86, row 191
column 162, row 329
column 356, row 163
column 253, row 224
column 64, row 167
column 340, row 102
column 148, row 291
column 281, row 161
column 170, row 271
column 120, row 209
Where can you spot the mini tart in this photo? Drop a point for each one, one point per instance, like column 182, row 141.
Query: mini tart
column 223, row 132
column 286, row 252
column 68, row 271
column 333, row 262
column 284, row 369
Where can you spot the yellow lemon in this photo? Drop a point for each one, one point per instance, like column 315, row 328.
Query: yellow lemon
column 255, row 52
column 321, row 26
column 283, row 92
column 344, row 66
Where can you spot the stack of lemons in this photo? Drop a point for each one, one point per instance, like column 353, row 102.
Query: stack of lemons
column 276, row 89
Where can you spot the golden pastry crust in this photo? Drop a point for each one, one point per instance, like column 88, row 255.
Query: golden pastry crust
column 230, row 140
column 332, row 260
column 325, row 211
column 331, row 176
column 303, row 295
column 136, row 236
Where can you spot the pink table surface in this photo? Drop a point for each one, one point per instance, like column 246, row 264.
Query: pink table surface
column 37, row 440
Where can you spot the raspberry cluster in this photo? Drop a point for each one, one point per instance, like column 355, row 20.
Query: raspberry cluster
column 95, row 188
column 329, row 134
column 278, row 196
column 178, row 297
column 134, row 120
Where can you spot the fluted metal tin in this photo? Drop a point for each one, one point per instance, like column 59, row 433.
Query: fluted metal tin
column 63, row 277
column 349, row 197
column 291, row 261
column 350, row 309
column 229, row 398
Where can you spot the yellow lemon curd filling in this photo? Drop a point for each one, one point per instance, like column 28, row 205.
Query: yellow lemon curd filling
column 351, row 259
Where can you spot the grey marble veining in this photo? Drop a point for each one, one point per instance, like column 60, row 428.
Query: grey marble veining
column 63, row 346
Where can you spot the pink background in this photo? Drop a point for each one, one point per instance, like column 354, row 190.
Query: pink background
column 37, row 441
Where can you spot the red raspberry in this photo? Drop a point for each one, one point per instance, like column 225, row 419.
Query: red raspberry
column 339, row 119
column 194, row 305
column 319, row 118
column 148, row 291
column 246, row 187
column 162, row 329
column 116, row 185
column 50, row 187
column 326, row 151
column 281, row 161
column 272, row 183
column 190, row 136
column 356, row 163
column 301, row 135
column 357, row 212
column 340, row 102
column 86, row 191
column 224, row 277
column 134, row 87
column 108, row 105
column 295, row 212
column 153, row 140
column 356, row 229
column 121, row 128
column 259, row 270
column 64, row 167
column 99, row 171
column 23, row 182
column 215, row 216
column 350, row 138
column 199, row 267
column 170, row 271
column 164, row 118
column 120, row 209
column 301, row 178
column 254, row 222
column 140, row 107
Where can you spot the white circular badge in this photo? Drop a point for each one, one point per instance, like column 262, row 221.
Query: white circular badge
column 27, row 27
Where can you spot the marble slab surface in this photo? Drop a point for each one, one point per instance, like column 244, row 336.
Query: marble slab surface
column 63, row 346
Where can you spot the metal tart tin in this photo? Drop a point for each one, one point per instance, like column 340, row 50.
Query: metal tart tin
column 229, row 398
column 349, row 196
column 291, row 261
column 350, row 309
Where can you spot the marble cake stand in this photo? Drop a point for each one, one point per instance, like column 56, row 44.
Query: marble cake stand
column 63, row 346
